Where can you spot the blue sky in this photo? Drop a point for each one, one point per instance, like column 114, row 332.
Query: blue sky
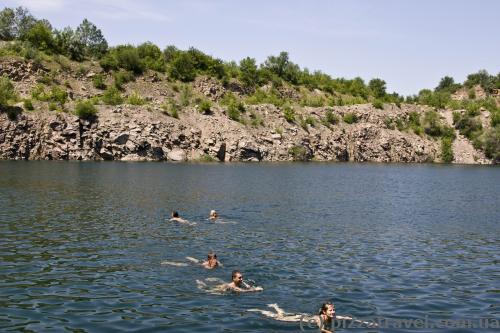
column 409, row 44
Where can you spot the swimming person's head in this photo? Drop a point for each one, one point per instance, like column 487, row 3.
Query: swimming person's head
column 212, row 260
column 213, row 214
column 237, row 278
column 327, row 309
column 175, row 213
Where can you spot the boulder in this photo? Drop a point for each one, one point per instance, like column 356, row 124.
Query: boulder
column 176, row 155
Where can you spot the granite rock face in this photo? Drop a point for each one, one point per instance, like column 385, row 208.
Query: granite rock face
column 132, row 133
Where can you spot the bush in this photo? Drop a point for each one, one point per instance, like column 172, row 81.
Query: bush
column 186, row 94
column 135, row 99
column 28, row 105
column 58, row 95
column 123, row 56
column 299, row 153
column 183, row 68
column 112, row 96
column 492, row 144
column 233, row 112
column 262, row 97
column 256, row 120
column 205, row 106
column 122, row 77
column 446, row 150
column 378, row 104
column 331, row 118
column 313, row 101
column 468, row 126
column 85, row 110
column 350, row 118
column 52, row 106
column 7, row 91
column 289, row 113
column 171, row 108
column 98, row 81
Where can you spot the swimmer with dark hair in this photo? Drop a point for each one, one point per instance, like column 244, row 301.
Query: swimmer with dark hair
column 211, row 262
column 176, row 218
column 238, row 285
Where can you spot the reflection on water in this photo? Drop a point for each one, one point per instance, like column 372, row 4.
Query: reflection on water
column 83, row 243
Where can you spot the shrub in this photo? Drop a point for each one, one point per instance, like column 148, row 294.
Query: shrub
column 28, row 105
column 446, row 150
column 288, row 113
column 310, row 121
column 331, row 118
column 182, row 67
column 313, row 101
column 7, row 91
column 350, row 118
column 473, row 108
column 233, row 112
column 299, row 153
column 389, row 123
column 85, row 110
column 186, row 94
column 52, row 106
column 471, row 94
column 58, row 95
column 468, row 126
column 135, row 99
column 98, row 81
column 495, row 118
column 256, row 120
column 492, row 144
column 262, row 97
column 171, row 108
column 205, row 106
column 122, row 77
column 123, row 56
column 112, row 96
column 378, row 104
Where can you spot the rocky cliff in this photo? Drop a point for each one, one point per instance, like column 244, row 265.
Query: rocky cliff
column 146, row 132
column 134, row 133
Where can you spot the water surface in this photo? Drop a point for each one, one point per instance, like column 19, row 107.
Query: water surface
column 82, row 244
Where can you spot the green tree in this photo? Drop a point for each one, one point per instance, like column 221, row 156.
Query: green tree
column 283, row 67
column 91, row 37
column 483, row 78
column 447, row 84
column 249, row 72
column 183, row 68
column 40, row 36
column 67, row 44
column 7, row 91
column 277, row 64
column 152, row 56
column 377, row 87
column 7, row 22
column 357, row 87
column 23, row 22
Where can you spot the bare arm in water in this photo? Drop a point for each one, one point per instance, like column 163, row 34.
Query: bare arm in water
column 245, row 288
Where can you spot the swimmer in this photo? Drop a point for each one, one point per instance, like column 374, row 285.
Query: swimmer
column 324, row 319
column 281, row 315
column 326, row 316
column 237, row 284
column 213, row 215
column 211, row 262
column 176, row 218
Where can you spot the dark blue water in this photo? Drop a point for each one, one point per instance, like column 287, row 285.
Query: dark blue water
column 82, row 244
